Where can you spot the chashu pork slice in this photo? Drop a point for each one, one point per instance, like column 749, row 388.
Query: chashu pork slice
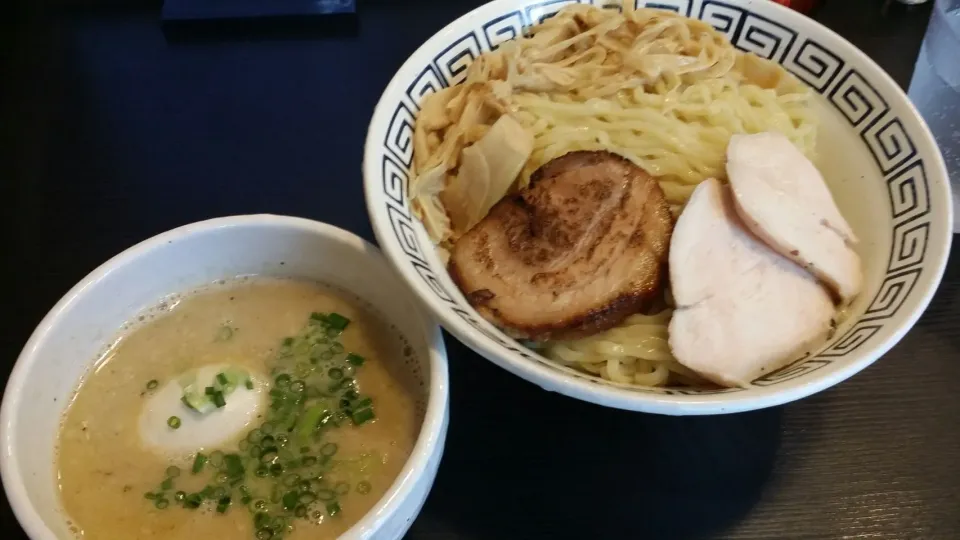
column 577, row 252
column 742, row 309
column 784, row 200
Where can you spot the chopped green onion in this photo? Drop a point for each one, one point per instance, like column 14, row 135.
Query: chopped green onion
column 218, row 399
column 287, row 341
column 233, row 465
column 149, row 496
column 193, row 500
column 216, row 459
column 358, row 404
column 174, row 422
column 152, row 383
column 355, row 359
column 337, row 321
column 336, row 348
column 328, row 449
column 282, row 380
column 166, row 484
column 180, row 496
column 326, row 494
column 222, row 378
column 309, row 421
column 209, row 390
column 300, row 511
column 335, row 373
column 173, row 471
column 264, row 534
column 363, row 487
column 290, row 500
column 362, row 416
column 224, row 333
column 199, row 462
column 276, row 469
column 333, row 509
column 318, row 317
column 222, row 504
column 261, row 519
column 249, row 384
column 161, row 503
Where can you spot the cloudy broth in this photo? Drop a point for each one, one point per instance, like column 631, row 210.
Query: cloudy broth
column 110, row 482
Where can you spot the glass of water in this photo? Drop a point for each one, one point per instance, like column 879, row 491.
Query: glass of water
column 935, row 87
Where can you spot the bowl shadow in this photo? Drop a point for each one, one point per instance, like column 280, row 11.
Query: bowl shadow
column 525, row 463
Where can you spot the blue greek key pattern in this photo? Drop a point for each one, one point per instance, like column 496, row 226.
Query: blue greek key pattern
column 854, row 97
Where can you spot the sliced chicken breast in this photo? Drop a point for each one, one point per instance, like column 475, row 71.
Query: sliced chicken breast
column 743, row 310
column 784, row 200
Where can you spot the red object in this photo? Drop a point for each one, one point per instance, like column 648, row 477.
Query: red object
column 803, row 6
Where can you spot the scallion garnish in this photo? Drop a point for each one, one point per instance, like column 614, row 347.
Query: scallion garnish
column 199, row 462
column 337, row 321
column 328, row 449
column 362, row 416
column 224, row 333
column 173, row 422
column 233, row 465
column 193, row 500
column 161, row 503
column 282, row 470
column 152, row 384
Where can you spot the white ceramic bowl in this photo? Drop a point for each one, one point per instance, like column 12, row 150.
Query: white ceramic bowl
column 880, row 160
column 90, row 315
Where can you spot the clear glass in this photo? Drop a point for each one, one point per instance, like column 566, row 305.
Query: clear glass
column 935, row 87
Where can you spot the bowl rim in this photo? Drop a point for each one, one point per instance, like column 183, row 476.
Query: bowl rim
column 429, row 438
column 552, row 379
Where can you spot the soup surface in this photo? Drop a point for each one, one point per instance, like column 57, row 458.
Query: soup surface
column 304, row 467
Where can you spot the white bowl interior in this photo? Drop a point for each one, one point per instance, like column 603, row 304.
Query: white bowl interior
column 877, row 154
column 90, row 317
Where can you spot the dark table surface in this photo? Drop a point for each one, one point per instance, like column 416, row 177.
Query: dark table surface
column 111, row 135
